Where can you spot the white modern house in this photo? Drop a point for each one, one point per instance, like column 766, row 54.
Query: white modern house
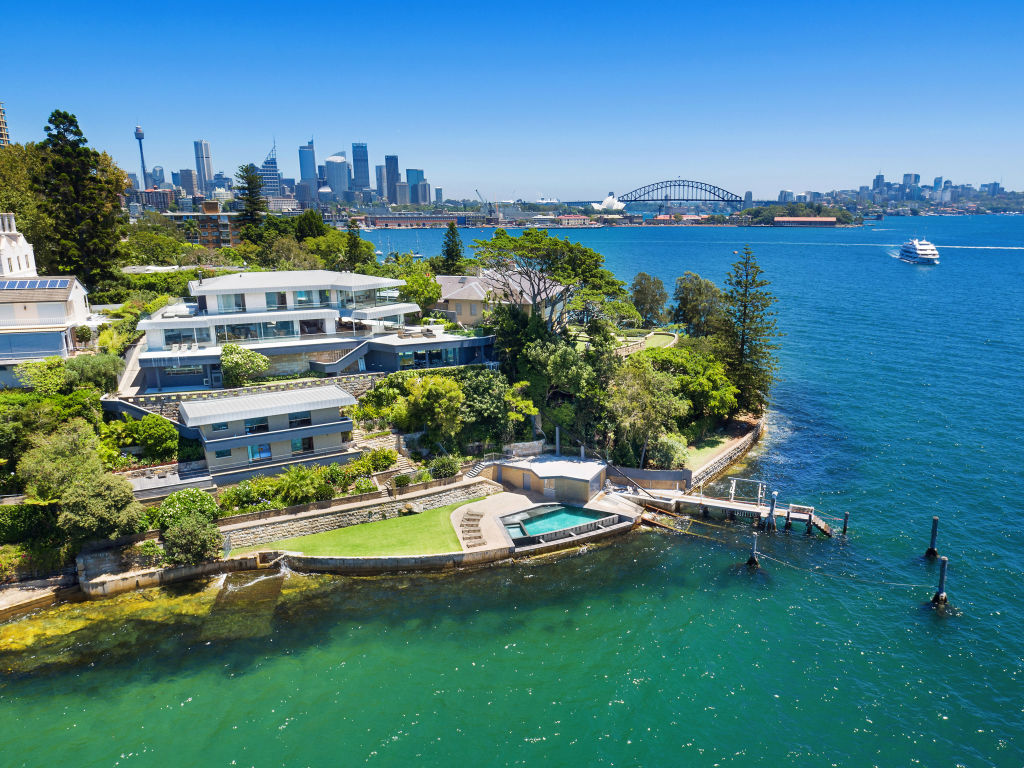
column 271, row 427
column 38, row 315
column 329, row 322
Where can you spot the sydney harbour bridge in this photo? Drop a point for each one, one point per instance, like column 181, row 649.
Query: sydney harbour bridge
column 674, row 191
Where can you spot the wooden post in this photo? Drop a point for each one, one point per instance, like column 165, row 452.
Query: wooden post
column 810, row 524
column 932, row 551
column 940, row 596
column 846, row 521
column 752, row 560
column 770, row 522
column 789, row 512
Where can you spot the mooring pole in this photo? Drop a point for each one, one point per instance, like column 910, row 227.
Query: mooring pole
column 770, row 523
column 940, row 595
column 810, row 524
column 789, row 512
column 846, row 521
column 932, row 551
column 752, row 560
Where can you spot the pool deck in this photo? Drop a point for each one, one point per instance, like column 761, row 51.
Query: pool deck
column 479, row 525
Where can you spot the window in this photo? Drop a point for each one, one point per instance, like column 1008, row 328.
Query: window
column 183, row 370
column 231, row 302
column 255, row 426
column 405, row 360
column 311, row 327
column 220, row 426
column 458, row 308
column 238, row 332
column 472, row 308
column 276, row 300
column 223, row 453
column 449, row 356
column 278, row 329
column 259, row 452
column 434, row 356
column 302, row 445
column 300, row 419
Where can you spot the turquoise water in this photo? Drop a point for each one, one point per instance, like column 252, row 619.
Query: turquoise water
column 566, row 517
column 900, row 399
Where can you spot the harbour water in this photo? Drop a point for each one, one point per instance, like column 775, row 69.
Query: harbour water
column 900, row 398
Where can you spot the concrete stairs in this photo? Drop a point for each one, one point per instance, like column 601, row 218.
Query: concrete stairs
column 469, row 529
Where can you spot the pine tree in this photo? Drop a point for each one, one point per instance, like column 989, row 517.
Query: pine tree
column 80, row 191
column 749, row 337
column 254, row 206
column 451, row 254
column 354, row 251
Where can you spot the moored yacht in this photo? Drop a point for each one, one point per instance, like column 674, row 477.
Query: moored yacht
column 919, row 252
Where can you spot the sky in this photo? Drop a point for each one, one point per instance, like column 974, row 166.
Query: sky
column 522, row 100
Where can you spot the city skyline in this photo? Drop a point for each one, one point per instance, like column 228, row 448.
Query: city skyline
column 569, row 107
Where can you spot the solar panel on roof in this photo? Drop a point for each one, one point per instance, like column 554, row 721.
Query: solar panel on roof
column 63, row 283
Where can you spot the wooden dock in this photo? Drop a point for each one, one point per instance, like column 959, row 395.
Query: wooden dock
column 735, row 508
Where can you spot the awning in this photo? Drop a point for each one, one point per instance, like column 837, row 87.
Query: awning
column 387, row 310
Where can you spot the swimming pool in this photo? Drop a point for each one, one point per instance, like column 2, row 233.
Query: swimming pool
column 547, row 519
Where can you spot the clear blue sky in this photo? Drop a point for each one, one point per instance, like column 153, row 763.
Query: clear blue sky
column 558, row 99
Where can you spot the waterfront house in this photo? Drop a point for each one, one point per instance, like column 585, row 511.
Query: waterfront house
column 38, row 315
column 270, row 428
column 327, row 322
column 562, row 478
column 465, row 297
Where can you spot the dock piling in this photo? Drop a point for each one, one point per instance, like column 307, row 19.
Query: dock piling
column 940, row 596
column 752, row 561
column 789, row 521
column 846, row 521
column 770, row 522
column 932, row 551
column 810, row 525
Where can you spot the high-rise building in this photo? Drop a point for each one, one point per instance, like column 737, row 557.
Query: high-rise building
column 909, row 179
column 382, row 181
column 360, row 167
column 220, row 181
column 420, row 193
column 5, row 137
column 139, row 135
column 133, row 179
column 937, row 184
column 393, row 177
column 748, row 199
column 787, row 196
column 189, row 181
column 438, row 195
column 414, row 176
column 157, row 175
column 337, row 173
column 401, row 192
column 879, row 183
column 204, row 166
column 307, row 163
column 270, row 176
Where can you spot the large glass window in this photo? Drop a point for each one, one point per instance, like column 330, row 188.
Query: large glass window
column 238, row 332
column 405, row 360
column 450, row 356
column 302, row 445
column 318, row 298
column 220, row 426
column 434, row 356
column 303, row 298
column 300, row 419
column 364, row 298
column 259, row 452
column 183, row 370
column 278, row 329
column 277, row 300
column 223, row 453
column 254, row 426
column 231, row 302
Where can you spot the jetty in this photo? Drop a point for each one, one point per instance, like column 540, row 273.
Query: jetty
column 762, row 509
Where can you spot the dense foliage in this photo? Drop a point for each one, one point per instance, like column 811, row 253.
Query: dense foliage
column 192, row 539
column 765, row 216
column 241, row 365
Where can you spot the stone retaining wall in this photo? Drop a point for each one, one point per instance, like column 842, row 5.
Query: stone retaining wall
column 114, row 584
column 709, row 471
column 364, row 565
column 320, row 521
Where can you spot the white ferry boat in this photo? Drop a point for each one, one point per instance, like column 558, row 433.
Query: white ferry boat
column 919, row 252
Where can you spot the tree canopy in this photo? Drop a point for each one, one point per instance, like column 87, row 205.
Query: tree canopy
column 648, row 295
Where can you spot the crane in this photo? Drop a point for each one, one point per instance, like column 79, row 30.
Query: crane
column 490, row 207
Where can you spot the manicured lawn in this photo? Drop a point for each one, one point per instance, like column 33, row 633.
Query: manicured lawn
column 658, row 340
column 703, row 450
column 427, row 533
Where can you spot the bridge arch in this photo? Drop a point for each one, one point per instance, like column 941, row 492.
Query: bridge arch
column 680, row 191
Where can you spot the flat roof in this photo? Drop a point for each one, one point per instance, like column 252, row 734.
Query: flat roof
column 559, row 466
column 290, row 280
column 219, row 409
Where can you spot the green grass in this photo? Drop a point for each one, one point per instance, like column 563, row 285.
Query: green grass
column 703, row 450
column 658, row 340
column 428, row 533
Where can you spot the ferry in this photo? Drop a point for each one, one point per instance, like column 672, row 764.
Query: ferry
column 919, row 252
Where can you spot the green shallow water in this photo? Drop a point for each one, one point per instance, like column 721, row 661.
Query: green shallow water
column 901, row 394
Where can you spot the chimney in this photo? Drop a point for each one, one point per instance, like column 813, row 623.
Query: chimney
column 7, row 223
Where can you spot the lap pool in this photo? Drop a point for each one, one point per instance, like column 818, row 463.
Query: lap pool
column 548, row 518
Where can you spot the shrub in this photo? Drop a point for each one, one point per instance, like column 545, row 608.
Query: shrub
column 667, row 451
column 157, row 436
column 146, row 554
column 301, row 485
column 181, row 504
column 254, row 495
column 191, row 540
column 382, row 458
column 401, row 481
column 364, row 485
column 445, row 466
column 83, row 334
column 240, row 365
column 102, row 371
